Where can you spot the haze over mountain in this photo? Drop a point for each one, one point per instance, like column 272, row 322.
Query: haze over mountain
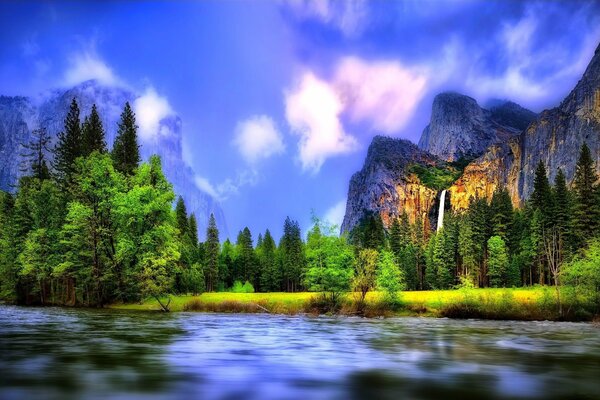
column 159, row 132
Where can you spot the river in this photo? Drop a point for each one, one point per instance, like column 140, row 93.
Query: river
column 61, row 353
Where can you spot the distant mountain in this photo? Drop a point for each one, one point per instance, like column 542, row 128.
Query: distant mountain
column 20, row 115
column 508, row 140
column 460, row 128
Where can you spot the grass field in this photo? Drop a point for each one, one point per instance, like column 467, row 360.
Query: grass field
column 519, row 303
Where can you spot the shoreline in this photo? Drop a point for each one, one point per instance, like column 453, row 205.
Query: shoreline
column 519, row 304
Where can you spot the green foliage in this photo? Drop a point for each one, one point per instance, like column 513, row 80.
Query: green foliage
column 587, row 201
column 93, row 134
column 390, row 278
column 437, row 178
column 211, row 254
column 192, row 279
column 126, row 151
column 330, row 262
column 583, row 272
column 292, row 255
column 497, row 262
column 366, row 272
column 270, row 274
column 69, row 145
column 369, row 233
column 245, row 262
column 245, row 288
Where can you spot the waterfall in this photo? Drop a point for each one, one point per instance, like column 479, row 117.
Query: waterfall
column 440, row 221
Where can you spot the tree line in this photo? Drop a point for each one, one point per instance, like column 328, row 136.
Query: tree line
column 89, row 226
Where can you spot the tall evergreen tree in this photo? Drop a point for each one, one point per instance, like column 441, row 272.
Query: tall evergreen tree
column 269, row 270
column 69, row 145
column 226, row 264
column 193, row 229
column 587, row 207
column 93, row 133
column 292, row 257
column 36, row 154
column 501, row 210
column 181, row 217
column 211, row 254
column 126, row 150
column 541, row 198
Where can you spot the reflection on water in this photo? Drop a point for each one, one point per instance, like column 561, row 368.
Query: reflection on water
column 70, row 353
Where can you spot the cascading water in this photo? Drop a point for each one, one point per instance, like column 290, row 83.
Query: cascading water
column 440, row 221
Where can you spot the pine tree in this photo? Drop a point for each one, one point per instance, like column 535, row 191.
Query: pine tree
column 181, row 217
column 498, row 262
column 211, row 254
column 93, row 134
column 291, row 249
column 501, row 210
column 541, row 198
column 193, row 229
column 126, row 151
column 269, row 272
column 36, row 154
column 587, row 207
column 562, row 213
column 69, row 145
column 226, row 264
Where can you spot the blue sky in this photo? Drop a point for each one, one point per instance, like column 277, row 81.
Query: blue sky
column 280, row 99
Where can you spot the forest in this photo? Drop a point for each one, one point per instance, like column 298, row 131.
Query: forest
column 91, row 227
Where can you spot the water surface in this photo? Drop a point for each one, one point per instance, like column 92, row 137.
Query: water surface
column 57, row 353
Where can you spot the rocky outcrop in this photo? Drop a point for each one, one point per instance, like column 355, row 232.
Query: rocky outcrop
column 386, row 186
column 460, row 128
column 20, row 115
column 509, row 157
column 555, row 138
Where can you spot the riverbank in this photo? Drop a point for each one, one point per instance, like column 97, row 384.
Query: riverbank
column 538, row 303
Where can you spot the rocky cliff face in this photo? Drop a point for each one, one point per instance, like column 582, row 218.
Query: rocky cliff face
column 555, row 138
column 510, row 139
column 20, row 115
column 460, row 128
column 385, row 184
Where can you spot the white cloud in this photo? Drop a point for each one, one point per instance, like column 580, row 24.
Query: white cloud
column 313, row 109
column 229, row 187
column 87, row 65
column 335, row 215
column 349, row 16
column 258, row 138
column 383, row 93
column 150, row 109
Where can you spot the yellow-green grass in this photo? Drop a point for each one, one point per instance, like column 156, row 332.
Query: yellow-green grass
column 518, row 303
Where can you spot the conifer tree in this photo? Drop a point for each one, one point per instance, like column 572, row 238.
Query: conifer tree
column 36, row 154
column 181, row 217
column 93, row 134
column 541, row 198
column 226, row 264
column 69, row 145
column 269, row 271
column 501, row 210
column 126, row 151
column 211, row 254
column 193, row 229
column 291, row 250
column 587, row 207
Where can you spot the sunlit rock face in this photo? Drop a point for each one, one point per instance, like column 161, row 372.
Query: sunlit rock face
column 460, row 128
column 385, row 185
column 20, row 115
column 555, row 138
column 510, row 142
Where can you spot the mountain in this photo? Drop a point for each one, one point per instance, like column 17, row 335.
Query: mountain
column 387, row 185
column 460, row 128
column 20, row 115
column 555, row 138
column 508, row 139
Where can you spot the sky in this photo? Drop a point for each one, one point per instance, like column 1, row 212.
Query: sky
column 279, row 100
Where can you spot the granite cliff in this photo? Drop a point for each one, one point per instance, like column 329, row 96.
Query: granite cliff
column 507, row 139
